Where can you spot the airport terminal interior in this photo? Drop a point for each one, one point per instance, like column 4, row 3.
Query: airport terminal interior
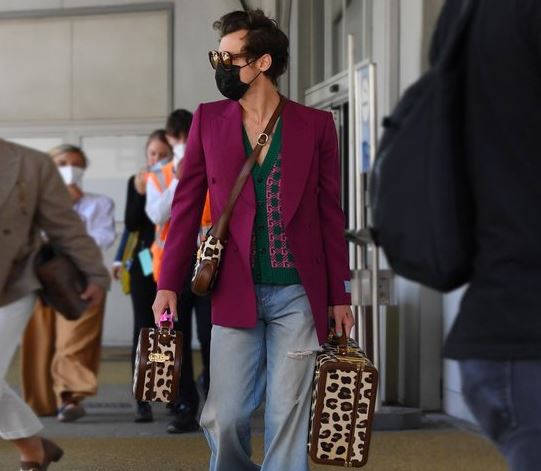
column 104, row 74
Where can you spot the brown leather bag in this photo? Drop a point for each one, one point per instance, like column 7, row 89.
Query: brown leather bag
column 343, row 400
column 210, row 251
column 62, row 282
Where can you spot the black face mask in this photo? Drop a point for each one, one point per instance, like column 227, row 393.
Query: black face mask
column 229, row 82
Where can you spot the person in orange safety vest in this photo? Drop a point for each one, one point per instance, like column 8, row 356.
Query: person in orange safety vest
column 161, row 186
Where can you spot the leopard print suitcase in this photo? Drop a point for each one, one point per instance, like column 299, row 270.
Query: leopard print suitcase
column 343, row 399
column 157, row 363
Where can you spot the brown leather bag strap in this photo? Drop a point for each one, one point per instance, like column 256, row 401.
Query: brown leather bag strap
column 221, row 228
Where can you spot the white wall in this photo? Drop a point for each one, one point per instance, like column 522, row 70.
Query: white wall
column 80, row 69
column 193, row 37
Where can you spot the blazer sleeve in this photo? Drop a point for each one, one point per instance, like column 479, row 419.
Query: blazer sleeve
column 332, row 218
column 186, row 211
column 64, row 227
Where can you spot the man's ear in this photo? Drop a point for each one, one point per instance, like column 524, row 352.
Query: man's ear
column 264, row 62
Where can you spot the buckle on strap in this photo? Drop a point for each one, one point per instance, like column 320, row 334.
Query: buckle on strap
column 262, row 139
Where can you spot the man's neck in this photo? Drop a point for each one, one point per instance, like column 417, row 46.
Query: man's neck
column 259, row 103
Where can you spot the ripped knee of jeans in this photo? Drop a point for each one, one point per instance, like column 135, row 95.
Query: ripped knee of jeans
column 300, row 354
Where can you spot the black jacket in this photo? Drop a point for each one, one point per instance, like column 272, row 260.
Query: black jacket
column 136, row 218
column 500, row 314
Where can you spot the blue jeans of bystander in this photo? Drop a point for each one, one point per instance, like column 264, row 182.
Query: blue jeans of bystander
column 505, row 398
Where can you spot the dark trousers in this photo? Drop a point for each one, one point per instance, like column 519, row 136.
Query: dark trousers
column 142, row 294
column 187, row 303
column 505, row 398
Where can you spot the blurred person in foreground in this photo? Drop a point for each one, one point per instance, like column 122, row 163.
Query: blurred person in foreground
column 496, row 337
column 159, row 207
column 285, row 267
column 136, row 253
column 33, row 198
column 60, row 358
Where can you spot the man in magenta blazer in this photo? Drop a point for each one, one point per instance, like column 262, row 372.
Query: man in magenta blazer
column 284, row 270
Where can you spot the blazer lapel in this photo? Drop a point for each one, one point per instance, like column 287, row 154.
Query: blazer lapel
column 297, row 155
column 9, row 170
column 230, row 150
column 228, row 132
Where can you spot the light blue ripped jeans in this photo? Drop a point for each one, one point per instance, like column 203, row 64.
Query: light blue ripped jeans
column 274, row 360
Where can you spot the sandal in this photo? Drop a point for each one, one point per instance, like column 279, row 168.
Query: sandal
column 51, row 453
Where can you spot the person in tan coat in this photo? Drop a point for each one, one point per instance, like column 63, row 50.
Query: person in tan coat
column 34, row 199
column 60, row 358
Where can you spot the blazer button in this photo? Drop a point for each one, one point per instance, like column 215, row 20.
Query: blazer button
column 213, row 180
column 6, row 232
column 259, row 179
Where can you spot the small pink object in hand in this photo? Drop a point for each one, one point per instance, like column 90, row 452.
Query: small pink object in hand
column 166, row 319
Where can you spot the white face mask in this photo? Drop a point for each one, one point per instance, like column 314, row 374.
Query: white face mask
column 179, row 150
column 178, row 153
column 72, row 175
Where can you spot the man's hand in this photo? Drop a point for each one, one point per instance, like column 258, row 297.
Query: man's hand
column 75, row 193
column 115, row 271
column 165, row 299
column 93, row 294
column 343, row 318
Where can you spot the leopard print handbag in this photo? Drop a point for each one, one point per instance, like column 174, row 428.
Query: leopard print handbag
column 343, row 400
column 157, row 362
column 207, row 264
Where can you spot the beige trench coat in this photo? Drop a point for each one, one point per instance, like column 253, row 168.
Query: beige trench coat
column 33, row 198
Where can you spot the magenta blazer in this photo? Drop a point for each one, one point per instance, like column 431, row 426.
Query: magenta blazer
column 313, row 218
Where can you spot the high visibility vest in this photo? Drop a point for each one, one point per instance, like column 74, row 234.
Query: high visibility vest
column 161, row 181
column 206, row 219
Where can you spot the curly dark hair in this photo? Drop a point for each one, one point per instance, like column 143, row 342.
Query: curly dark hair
column 263, row 37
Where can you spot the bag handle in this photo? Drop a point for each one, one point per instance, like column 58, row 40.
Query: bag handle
column 221, row 228
column 341, row 342
column 166, row 320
